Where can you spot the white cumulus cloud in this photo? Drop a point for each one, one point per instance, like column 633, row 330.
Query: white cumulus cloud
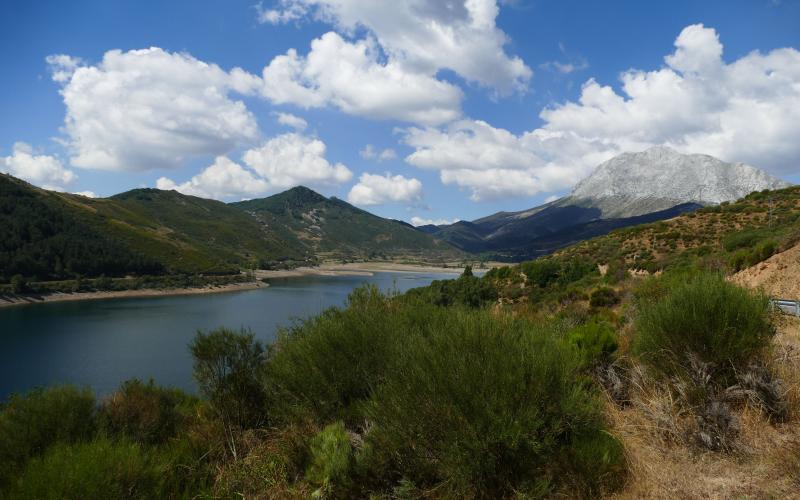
column 494, row 163
column 282, row 162
column 370, row 153
column 375, row 189
column 279, row 16
column 425, row 37
column 745, row 110
column 351, row 77
column 740, row 111
column 292, row 121
column 41, row 170
column 63, row 66
column 293, row 159
column 222, row 179
column 148, row 109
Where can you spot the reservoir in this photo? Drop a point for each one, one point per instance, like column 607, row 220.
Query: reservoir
column 101, row 343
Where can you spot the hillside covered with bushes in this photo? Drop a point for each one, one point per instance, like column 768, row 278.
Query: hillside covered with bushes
column 54, row 239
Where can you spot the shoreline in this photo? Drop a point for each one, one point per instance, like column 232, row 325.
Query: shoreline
column 17, row 300
column 356, row 269
column 351, row 269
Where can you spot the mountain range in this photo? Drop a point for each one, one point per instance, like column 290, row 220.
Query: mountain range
column 629, row 189
column 52, row 235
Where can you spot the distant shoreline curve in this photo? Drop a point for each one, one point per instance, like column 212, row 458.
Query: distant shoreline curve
column 20, row 300
column 354, row 269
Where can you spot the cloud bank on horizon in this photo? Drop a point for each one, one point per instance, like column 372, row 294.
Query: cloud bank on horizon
column 407, row 62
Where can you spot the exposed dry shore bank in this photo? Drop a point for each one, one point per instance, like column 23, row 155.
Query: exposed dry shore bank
column 15, row 300
column 351, row 269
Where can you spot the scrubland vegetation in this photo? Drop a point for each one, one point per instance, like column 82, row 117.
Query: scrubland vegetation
column 579, row 375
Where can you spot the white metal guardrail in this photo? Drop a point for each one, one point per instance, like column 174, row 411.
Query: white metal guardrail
column 786, row 306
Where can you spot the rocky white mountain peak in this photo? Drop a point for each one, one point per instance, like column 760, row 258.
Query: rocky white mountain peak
column 660, row 172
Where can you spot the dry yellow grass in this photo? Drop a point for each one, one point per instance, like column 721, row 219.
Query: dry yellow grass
column 665, row 464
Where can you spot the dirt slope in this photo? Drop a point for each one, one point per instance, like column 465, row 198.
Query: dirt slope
column 779, row 276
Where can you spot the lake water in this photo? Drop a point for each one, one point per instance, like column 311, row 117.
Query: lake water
column 101, row 343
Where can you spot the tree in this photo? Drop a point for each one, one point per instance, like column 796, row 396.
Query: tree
column 18, row 284
column 227, row 367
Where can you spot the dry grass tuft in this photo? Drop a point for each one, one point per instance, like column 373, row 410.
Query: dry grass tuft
column 665, row 461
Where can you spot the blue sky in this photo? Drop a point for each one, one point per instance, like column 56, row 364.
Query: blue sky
column 452, row 97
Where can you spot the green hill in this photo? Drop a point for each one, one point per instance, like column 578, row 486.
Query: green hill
column 332, row 228
column 49, row 235
column 197, row 233
column 46, row 235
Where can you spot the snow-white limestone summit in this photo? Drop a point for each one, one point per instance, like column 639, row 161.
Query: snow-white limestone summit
column 659, row 178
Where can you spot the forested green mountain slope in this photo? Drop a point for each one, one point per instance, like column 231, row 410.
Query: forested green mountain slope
column 46, row 235
column 332, row 228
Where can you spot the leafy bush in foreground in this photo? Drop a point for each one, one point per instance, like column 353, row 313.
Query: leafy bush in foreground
column 331, row 454
column 96, row 469
column 227, row 367
column 456, row 398
column 326, row 366
column 490, row 407
column 30, row 423
column 702, row 317
column 595, row 340
column 145, row 413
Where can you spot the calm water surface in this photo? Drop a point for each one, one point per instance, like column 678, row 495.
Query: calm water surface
column 100, row 343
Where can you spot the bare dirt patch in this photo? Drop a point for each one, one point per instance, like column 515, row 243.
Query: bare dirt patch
column 778, row 276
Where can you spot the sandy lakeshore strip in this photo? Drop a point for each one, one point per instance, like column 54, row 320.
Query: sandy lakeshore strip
column 356, row 269
column 351, row 269
column 6, row 300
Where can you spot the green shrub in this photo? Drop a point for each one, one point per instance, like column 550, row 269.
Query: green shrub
column 603, row 297
column 739, row 260
column 705, row 316
column 467, row 290
column 487, row 407
column 541, row 272
column 93, row 470
column 502, row 273
column 575, row 269
column 743, row 239
column 598, row 460
column 324, row 367
column 252, row 476
column 331, row 456
column 30, row 423
column 571, row 294
column 145, row 413
column 595, row 340
column 747, row 257
column 228, row 367
column 764, row 251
